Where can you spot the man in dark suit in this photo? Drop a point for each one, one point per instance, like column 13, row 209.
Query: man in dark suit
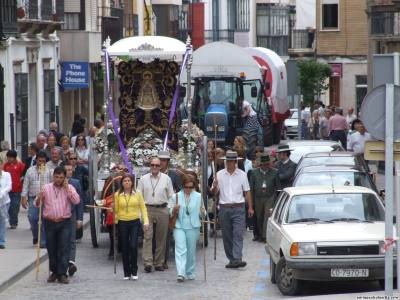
column 165, row 158
column 285, row 166
column 264, row 181
column 54, row 130
column 76, row 217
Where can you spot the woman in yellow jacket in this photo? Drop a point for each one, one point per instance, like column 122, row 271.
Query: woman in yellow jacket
column 187, row 227
column 128, row 204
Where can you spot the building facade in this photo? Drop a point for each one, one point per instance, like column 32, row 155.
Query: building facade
column 29, row 60
column 341, row 41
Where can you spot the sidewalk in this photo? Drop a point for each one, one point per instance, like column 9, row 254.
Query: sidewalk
column 19, row 257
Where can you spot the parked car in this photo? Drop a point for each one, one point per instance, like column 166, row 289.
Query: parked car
column 322, row 233
column 334, row 175
column 302, row 148
column 291, row 124
column 333, row 158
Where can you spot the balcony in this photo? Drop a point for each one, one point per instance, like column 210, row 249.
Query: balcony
column 8, row 19
column 224, row 35
column 302, row 42
column 40, row 16
column 385, row 26
column 279, row 44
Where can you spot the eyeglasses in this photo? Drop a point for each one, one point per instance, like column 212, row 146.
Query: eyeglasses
column 73, row 158
column 189, row 187
column 154, row 165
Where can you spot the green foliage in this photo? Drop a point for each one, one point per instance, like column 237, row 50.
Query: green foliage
column 311, row 79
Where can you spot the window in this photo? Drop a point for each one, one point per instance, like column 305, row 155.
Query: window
column 71, row 21
column 361, row 91
column 49, row 97
column 279, row 207
column 330, row 14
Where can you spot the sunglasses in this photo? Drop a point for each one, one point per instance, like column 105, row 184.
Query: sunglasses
column 72, row 158
column 258, row 151
column 189, row 187
column 155, row 165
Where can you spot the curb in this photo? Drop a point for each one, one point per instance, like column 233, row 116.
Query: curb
column 17, row 276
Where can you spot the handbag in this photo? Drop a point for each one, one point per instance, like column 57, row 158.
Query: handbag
column 172, row 220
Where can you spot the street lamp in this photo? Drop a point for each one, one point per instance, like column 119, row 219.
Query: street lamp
column 185, row 9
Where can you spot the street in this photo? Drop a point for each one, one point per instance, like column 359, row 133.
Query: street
column 96, row 279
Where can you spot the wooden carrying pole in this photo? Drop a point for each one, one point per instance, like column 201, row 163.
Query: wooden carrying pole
column 114, row 227
column 202, row 224
column 42, row 169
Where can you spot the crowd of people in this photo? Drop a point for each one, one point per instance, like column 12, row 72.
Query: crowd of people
column 61, row 185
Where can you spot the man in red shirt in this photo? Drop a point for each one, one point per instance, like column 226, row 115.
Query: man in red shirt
column 338, row 128
column 15, row 168
column 57, row 198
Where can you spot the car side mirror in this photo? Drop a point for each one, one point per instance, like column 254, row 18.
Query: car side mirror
column 254, row 92
column 182, row 91
column 267, row 86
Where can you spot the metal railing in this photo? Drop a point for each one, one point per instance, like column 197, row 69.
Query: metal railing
column 46, row 10
column 302, row 39
column 8, row 22
column 279, row 44
column 224, row 35
column 385, row 23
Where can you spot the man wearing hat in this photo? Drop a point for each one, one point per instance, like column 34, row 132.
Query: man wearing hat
column 165, row 158
column 285, row 166
column 230, row 183
column 263, row 183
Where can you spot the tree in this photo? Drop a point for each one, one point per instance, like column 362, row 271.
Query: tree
column 311, row 79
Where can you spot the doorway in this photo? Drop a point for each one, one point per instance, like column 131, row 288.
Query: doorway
column 334, row 91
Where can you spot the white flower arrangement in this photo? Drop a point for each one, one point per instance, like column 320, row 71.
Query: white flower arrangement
column 196, row 137
column 101, row 140
column 143, row 148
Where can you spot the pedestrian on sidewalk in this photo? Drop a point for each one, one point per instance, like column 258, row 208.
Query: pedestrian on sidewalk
column 231, row 184
column 55, row 159
column 264, row 183
column 33, row 149
column 129, row 204
column 30, row 190
column 188, row 206
column 15, row 168
column 76, row 216
column 5, row 187
column 57, row 198
column 338, row 128
column 157, row 190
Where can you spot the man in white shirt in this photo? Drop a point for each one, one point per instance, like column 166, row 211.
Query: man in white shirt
column 157, row 191
column 230, row 183
column 351, row 116
column 358, row 139
column 55, row 159
column 305, row 118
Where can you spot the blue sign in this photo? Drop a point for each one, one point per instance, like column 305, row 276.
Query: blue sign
column 75, row 74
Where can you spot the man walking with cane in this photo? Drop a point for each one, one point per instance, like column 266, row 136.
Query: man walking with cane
column 230, row 185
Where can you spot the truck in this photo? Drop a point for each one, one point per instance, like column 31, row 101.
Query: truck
column 220, row 73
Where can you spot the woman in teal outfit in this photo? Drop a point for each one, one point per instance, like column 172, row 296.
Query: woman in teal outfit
column 187, row 228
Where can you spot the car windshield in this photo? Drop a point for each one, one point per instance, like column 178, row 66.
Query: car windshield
column 299, row 151
column 295, row 115
column 326, row 160
column 335, row 207
column 337, row 178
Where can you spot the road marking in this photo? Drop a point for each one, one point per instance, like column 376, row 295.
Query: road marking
column 260, row 287
column 265, row 262
column 262, row 274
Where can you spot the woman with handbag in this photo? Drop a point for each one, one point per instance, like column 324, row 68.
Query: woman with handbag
column 188, row 209
column 128, row 206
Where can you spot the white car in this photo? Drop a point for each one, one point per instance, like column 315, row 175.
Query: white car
column 326, row 234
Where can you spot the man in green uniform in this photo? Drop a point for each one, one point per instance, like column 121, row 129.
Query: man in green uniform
column 264, row 182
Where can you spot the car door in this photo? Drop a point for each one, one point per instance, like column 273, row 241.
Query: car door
column 274, row 236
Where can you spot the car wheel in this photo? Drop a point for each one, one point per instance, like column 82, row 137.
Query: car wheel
column 272, row 268
column 382, row 283
column 284, row 135
column 287, row 284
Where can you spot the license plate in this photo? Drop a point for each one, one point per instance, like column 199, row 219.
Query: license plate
column 349, row 272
